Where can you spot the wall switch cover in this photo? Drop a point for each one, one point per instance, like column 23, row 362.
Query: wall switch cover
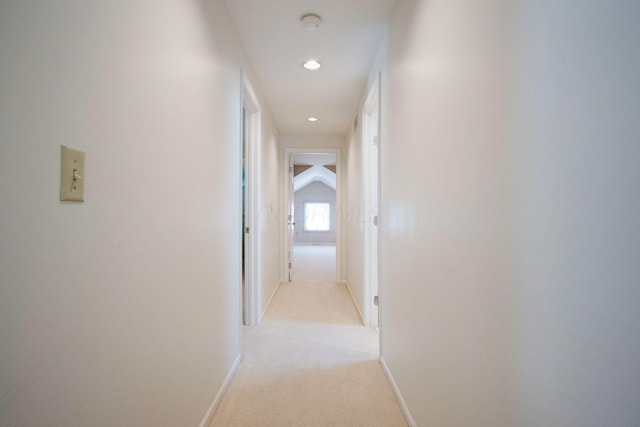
column 71, row 174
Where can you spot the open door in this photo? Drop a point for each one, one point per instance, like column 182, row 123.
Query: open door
column 246, row 242
column 290, row 222
column 250, row 201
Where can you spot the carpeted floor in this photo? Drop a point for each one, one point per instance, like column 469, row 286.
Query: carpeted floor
column 311, row 362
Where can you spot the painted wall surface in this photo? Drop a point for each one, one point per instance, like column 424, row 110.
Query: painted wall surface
column 125, row 309
column 314, row 192
column 510, row 279
column 578, row 300
column 311, row 141
column 447, row 242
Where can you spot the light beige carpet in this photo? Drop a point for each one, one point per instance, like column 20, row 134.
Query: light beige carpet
column 311, row 362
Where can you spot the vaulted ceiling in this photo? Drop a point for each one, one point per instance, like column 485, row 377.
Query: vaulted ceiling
column 345, row 44
column 314, row 167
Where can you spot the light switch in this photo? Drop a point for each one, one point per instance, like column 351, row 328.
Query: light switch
column 71, row 174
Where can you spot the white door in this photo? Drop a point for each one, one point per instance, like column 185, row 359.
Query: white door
column 246, row 240
column 291, row 221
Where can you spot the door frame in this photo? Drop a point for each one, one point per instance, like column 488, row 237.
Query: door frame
column 287, row 200
column 371, row 122
column 251, row 301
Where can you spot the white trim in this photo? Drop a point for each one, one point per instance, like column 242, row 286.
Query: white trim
column 344, row 282
column 266, row 307
column 371, row 182
column 208, row 416
column 396, row 391
column 288, row 151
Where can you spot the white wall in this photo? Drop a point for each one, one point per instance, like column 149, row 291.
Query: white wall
column 446, row 271
column 578, row 299
column 123, row 310
column 510, row 235
column 311, row 141
column 314, row 192
column 354, row 217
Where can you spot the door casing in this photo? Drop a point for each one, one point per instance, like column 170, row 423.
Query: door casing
column 288, row 198
column 252, row 298
column 371, row 196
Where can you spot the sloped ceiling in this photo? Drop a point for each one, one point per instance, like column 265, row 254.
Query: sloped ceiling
column 316, row 171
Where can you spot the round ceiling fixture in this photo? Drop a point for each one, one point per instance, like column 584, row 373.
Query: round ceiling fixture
column 311, row 21
column 312, row 65
column 312, row 119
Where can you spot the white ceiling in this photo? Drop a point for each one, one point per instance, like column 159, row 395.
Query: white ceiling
column 316, row 173
column 278, row 44
column 316, row 159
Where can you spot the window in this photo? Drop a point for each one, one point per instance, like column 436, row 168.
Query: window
column 317, row 217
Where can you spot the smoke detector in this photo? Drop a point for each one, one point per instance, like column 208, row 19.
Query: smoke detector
column 311, row 21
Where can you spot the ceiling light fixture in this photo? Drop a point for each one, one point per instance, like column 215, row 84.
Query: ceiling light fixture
column 312, row 65
column 311, row 21
column 312, row 119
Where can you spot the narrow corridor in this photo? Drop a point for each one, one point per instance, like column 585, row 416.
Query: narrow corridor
column 311, row 362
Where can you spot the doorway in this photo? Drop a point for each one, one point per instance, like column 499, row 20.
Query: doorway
column 312, row 196
column 371, row 172
column 251, row 287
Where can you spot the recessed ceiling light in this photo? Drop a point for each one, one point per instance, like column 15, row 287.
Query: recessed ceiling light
column 312, row 119
column 311, row 21
column 312, row 65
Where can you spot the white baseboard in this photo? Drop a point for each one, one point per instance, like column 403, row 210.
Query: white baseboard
column 266, row 307
column 208, row 416
column 396, row 391
column 344, row 282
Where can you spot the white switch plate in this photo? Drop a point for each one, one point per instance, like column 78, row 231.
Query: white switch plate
column 71, row 174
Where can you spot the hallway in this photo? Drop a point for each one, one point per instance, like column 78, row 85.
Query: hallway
column 311, row 362
column 493, row 144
